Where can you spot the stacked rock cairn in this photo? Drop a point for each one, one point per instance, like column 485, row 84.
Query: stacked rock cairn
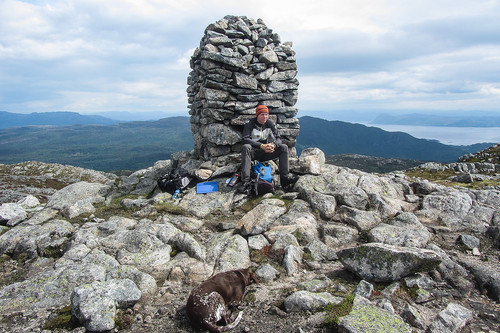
column 240, row 64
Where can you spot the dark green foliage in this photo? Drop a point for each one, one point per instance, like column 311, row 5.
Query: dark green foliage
column 132, row 145
column 62, row 319
column 138, row 145
column 335, row 311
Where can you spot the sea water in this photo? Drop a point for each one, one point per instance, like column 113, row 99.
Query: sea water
column 461, row 136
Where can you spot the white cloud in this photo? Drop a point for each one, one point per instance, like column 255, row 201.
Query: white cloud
column 94, row 55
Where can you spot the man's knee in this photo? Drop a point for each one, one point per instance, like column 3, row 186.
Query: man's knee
column 283, row 147
column 246, row 148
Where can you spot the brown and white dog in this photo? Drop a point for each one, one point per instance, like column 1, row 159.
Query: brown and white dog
column 211, row 303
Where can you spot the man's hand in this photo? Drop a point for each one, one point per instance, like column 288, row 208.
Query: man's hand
column 268, row 147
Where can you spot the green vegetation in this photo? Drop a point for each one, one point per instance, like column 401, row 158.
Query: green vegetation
column 335, row 311
column 124, row 146
column 137, row 145
column 62, row 320
column 13, row 270
column 444, row 178
column 172, row 208
column 489, row 155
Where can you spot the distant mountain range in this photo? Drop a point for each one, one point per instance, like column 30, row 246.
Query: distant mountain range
column 337, row 137
column 60, row 118
column 137, row 145
column 417, row 119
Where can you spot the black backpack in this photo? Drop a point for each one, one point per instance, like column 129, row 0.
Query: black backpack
column 176, row 179
column 262, row 179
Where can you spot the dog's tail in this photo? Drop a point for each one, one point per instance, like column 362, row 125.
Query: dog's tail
column 214, row 328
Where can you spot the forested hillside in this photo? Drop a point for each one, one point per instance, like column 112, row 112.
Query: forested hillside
column 136, row 145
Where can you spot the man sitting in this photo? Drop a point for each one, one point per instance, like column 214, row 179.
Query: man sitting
column 262, row 142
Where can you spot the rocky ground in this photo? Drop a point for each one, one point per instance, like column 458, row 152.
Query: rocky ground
column 392, row 253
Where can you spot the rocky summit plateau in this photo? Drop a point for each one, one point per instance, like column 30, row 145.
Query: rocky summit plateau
column 344, row 250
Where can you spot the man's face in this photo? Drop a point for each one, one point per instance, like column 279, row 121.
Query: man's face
column 262, row 117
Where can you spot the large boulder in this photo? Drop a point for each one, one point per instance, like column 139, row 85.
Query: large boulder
column 386, row 263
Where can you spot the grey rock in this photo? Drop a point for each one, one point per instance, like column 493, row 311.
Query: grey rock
column 311, row 161
column 95, row 305
column 50, row 288
column 420, row 281
column 185, row 242
column 336, row 235
column 76, row 193
column 257, row 242
column 12, row 214
column 320, row 251
column 304, row 301
column 259, row 219
column 282, row 240
column 29, row 201
column 386, row 263
column 452, row 271
column 487, row 276
column 266, row 272
column 300, row 216
column 234, row 254
column 370, row 318
column 403, row 230
column 292, row 259
column 452, row 319
column 413, row 317
column 469, row 241
column 350, row 196
column 46, row 240
column 449, row 207
column 364, row 289
column 360, row 219
column 315, row 285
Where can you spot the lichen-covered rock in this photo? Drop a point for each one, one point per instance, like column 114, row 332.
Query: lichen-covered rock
column 292, row 259
column 12, row 213
column 403, row 230
column 370, row 318
column 259, row 219
column 386, row 263
column 451, row 320
column 310, row 161
column 449, row 207
column 305, row 300
column 95, row 305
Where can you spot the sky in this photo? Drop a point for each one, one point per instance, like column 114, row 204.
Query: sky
column 395, row 56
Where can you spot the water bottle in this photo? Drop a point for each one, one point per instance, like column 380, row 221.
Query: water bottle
column 176, row 194
column 233, row 180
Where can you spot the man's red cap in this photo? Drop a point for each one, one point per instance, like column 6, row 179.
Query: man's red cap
column 260, row 109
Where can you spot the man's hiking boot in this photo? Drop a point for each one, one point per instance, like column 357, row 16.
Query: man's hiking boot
column 243, row 188
column 287, row 181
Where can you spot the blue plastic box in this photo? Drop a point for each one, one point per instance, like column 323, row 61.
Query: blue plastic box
column 207, row 187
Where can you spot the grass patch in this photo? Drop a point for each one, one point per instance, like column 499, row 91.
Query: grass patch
column 13, row 270
column 112, row 208
column 443, row 177
column 335, row 311
column 172, row 208
column 123, row 320
column 254, row 201
column 266, row 255
column 62, row 320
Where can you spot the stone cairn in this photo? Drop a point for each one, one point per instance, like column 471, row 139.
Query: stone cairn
column 240, row 64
